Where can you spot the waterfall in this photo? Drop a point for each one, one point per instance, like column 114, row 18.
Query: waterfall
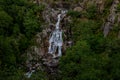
column 56, row 41
column 55, row 44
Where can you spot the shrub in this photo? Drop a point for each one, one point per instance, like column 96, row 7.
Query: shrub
column 91, row 12
column 74, row 14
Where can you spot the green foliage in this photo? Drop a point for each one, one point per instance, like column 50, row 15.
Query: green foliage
column 7, row 53
column 39, row 75
column 84, row 29
column 92, row 57
column 91, row 12
column 11, row 73
column 5, row 23
column 31, row 24
column 118, row 8
column 74, row 14
column 18, row 24
column 81, row 63
column 106, row 10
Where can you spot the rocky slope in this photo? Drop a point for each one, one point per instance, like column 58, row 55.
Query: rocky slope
column 113, row 14
column 38, row 54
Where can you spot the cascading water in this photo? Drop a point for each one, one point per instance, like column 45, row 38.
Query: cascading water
column 56, row 41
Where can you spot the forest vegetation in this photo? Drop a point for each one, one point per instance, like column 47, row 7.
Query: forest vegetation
column 92, row 56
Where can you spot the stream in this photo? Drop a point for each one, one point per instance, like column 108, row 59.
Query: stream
column 56, row 41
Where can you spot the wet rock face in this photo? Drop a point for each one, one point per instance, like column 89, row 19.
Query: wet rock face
column 39, row 52
column 111, row 18
column 100, row 4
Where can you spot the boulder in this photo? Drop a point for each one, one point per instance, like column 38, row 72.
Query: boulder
column 79, row 9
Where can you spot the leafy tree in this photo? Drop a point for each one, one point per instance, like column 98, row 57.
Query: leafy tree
column 31, row 24
column 5, row 23
column 81, row 63
column 18, row 25
column 7, row 53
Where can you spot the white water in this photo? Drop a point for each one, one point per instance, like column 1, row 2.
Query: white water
column 56, row 41
column 28, row 74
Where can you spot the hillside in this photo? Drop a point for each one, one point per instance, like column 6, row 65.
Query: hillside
column 59, row 39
